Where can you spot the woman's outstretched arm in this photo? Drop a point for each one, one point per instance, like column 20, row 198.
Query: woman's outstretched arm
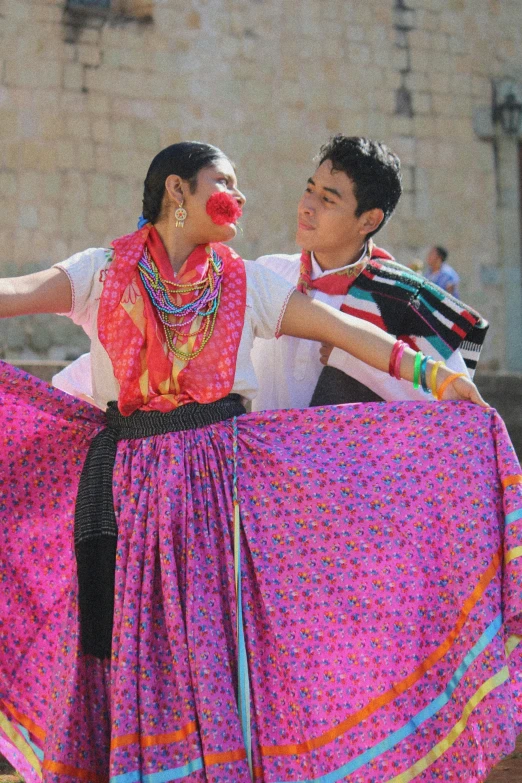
column 312, row 320
column 42, row 292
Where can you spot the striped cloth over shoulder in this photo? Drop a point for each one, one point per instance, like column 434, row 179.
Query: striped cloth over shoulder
column 416, row 310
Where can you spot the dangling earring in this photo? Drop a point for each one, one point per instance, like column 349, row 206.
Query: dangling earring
column 181, row 215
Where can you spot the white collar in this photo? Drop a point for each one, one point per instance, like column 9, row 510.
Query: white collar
column 317, row 272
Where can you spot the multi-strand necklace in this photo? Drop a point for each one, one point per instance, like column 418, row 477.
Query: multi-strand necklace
column 177, row 320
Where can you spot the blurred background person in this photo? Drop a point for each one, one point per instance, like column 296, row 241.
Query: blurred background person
column 440, row 272
column 416, row 266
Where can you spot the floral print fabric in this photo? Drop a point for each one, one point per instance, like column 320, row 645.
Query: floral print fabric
column 381, row 590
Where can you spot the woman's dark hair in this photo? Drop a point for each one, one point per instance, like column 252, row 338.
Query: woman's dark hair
column 373, row 168
column 185, row 159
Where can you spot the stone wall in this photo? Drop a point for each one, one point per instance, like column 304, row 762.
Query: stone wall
column 86, row 101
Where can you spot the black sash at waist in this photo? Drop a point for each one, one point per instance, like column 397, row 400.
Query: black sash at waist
column 95, row 528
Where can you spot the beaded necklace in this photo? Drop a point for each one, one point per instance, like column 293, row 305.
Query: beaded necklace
column 205, row 304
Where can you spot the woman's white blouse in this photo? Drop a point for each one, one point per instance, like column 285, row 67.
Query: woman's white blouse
column 266, row 300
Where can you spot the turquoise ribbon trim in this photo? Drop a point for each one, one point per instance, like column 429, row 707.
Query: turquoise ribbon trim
column 243, row 696
column 514, row 516
column 243, row 678
column 162, row 776
column 38, row 752
column 418, row 719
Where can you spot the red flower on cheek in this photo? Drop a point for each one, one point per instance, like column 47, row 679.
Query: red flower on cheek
column 223, row 208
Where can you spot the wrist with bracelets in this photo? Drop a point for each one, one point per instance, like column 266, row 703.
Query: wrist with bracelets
column 420, row 371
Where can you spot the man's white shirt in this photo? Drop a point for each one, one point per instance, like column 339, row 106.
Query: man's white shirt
column 288, row 368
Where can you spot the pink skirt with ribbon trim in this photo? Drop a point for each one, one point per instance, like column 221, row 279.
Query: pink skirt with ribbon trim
column 369, row 630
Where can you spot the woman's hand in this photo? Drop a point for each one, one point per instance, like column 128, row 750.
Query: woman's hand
column 464, row 389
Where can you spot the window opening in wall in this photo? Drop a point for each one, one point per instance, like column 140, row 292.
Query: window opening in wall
column 117, row 10
column 89, row 6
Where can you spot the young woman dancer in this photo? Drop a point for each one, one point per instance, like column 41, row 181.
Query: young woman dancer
column 289, row 596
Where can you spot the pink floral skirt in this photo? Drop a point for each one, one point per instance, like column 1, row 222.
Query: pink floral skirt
column 380, row 597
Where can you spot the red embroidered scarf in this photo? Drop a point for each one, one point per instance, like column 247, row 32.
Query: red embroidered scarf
column 149, row 376
column 338, row 282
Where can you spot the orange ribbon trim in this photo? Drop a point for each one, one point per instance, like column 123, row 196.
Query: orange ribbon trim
column 74, row 772
column 26, row 722
column 148, row 741
column 224, row 757
column 510, row 481
column 400, row 687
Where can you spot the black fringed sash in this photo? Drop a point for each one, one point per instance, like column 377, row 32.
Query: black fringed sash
column 95, row 528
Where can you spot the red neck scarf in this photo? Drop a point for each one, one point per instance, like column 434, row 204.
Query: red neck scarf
column 337, row 282
column 129, row 328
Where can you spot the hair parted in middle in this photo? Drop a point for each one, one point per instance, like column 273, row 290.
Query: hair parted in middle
column 372, row 167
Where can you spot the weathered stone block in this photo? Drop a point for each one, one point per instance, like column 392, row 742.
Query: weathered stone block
column 8, row 123
column 72, row 219
column 73, row 76
column 424, row 127
column 98, row 104
column 101, row 130
column 99, row 189
column 440, row 42
column 146, row 136
column 439, row 81
column 422, row 103
column 78, row 127
column 29, row 74
column 355, row 33
column 48, row 216
column 89, row 55
column 400, row 60
column 460, row 84
column 39, row 156
column 452, row 23
column 50, row 14
column 420, row 39
column 28, row 216
column 8, row 184
column 16, row 11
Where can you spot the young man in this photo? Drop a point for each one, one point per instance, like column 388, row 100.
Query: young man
column 440, row 272
column 351, row 196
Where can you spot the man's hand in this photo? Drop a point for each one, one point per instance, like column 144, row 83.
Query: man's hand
column 324, row 353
